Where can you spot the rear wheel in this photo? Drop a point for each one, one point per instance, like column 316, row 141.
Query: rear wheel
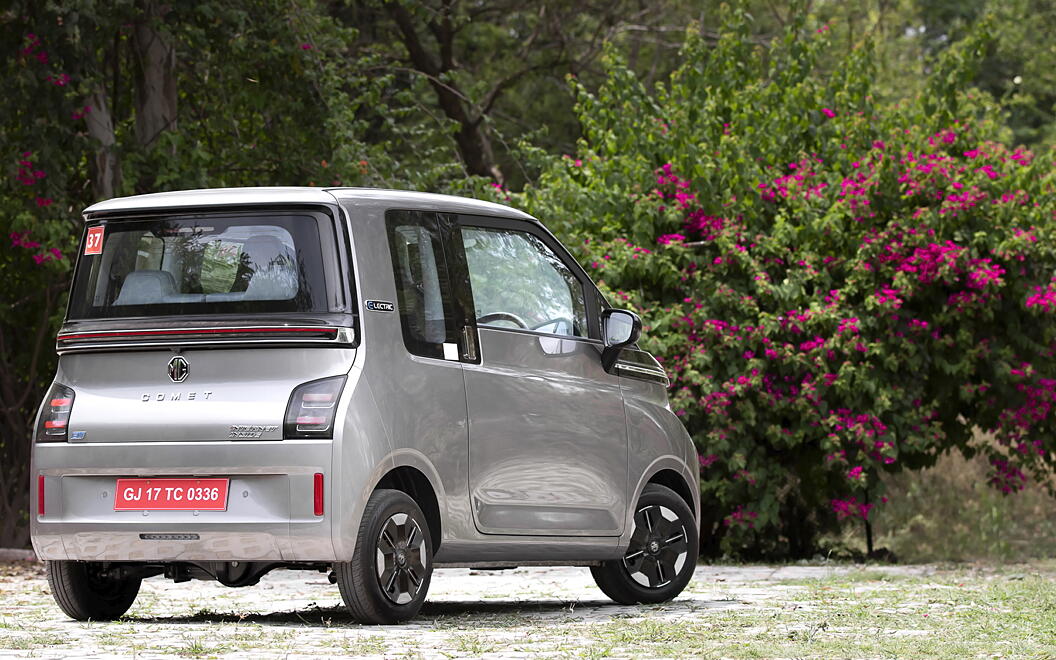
column 388, row 577
column 85, row 591
column 660, row 559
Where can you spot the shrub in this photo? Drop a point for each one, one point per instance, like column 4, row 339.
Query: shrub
column 839, row 287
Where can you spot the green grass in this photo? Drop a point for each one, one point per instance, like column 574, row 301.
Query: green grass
column 28, row 642
column 856, row 612
column 953, row 616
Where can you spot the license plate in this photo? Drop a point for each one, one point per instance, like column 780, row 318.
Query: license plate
column 171, row 495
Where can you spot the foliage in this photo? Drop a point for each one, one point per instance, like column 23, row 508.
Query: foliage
column 254, row 83
column 686, row 191
column 948, row 513
column 840, row 288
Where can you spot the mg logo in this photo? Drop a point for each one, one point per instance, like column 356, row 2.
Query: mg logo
column 178, row 369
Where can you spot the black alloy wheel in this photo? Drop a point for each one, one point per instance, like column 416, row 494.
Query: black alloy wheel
column 662, row 553
column 659, row 547
column 401, row 559
column 388, row 577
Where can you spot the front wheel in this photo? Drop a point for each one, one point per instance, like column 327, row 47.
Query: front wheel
column 660, row 559
column 86, row 591
column 388, row 577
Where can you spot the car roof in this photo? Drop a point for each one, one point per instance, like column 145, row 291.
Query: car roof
column 218, row 197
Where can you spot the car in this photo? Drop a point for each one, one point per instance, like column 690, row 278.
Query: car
column 365, row 383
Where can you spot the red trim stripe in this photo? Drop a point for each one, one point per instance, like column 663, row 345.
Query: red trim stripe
column 40, row 494
column 200, row 331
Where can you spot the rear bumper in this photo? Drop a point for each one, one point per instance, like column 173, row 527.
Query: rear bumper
column 270, row 509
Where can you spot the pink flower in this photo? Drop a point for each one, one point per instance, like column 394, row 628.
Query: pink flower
column 307, row 46
column 828, row 113
column 667, row 239
column 855, row 473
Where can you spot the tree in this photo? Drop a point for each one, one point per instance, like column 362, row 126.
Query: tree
column 493, row 71
column 839, row 286
column 105, row 99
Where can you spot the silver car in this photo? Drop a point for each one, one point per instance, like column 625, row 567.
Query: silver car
column 365, row 383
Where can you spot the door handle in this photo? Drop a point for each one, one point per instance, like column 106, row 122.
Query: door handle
column 469, row 343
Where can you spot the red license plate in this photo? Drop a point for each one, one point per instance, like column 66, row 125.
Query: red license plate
column 171, row 495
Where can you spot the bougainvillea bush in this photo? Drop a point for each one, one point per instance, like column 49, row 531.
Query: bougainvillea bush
column 838, row 287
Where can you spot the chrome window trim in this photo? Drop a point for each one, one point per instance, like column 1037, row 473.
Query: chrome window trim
column 642, row 373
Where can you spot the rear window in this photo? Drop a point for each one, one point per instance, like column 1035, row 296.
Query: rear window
column 216, row 264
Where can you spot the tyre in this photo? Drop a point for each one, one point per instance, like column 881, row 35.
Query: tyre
column 85, row 592
column 662, row 555
column 388, row 577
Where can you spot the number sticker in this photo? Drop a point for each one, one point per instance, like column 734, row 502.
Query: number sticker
column 94, row 242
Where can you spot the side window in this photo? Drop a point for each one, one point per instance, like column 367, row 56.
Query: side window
column 518, row 282
column 422, row 286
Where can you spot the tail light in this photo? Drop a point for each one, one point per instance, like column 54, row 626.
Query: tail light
column 312, row 409
column 55, row 415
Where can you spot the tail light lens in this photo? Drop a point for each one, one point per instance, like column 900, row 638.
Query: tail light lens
column 55, row 415
column 312, row 409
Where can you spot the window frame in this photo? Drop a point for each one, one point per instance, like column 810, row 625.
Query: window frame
column 433, row 222
column 333, row 295
column 592, row 299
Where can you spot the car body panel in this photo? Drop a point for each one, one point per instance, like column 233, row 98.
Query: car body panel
column 548, row 438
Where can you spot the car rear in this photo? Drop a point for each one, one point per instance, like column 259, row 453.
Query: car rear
column 203, row 359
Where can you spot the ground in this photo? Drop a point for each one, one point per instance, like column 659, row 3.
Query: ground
column 817, row 610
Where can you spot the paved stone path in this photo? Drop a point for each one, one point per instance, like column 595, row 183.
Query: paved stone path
column 512, row 613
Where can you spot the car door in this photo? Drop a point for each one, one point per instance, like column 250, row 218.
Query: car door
column 547, row 431
column 414, row 372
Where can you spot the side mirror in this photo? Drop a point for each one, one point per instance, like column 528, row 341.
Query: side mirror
column 620, row 328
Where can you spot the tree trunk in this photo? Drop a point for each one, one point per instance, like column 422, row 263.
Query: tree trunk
column 106, row 170
column 24, row 355
column 472, row 140
column 155, row 54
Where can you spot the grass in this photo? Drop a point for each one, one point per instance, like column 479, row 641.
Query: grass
column 872, row 611
column 957, row 616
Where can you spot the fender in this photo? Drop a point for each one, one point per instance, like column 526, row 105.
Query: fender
column 666, row 462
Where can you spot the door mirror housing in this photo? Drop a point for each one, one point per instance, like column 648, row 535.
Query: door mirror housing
column 619, row 328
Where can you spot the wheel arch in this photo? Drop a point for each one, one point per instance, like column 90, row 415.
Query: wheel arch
column 673, row 480
column 410, row 476
column 673, row 473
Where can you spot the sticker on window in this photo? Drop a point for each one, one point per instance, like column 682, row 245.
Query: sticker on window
column 94, row 242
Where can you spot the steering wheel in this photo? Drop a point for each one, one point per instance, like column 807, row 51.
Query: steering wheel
column 557, row 323
column 503, row 316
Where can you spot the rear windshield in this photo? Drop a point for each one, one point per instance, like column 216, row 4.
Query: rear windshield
column 216, row 264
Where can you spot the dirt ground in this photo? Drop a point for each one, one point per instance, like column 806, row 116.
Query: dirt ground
column 727, row 611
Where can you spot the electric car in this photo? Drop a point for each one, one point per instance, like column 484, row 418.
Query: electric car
column 366, row 383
